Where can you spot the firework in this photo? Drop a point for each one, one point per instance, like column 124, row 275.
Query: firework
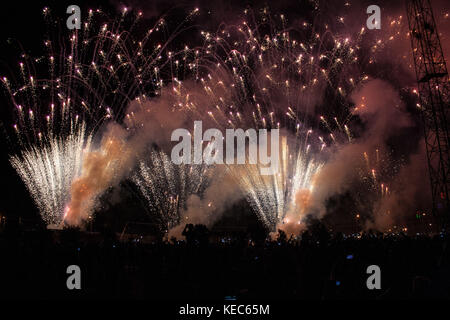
column 267, row 74
column 166, row 186
column 93, row 73
column 48, row 169
column 282, row 197
column 376, row 171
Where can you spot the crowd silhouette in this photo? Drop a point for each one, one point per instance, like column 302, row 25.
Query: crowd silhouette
column 244, row 265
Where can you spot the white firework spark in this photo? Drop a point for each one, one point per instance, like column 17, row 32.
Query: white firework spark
column 272, row 197
column 166, row 186
column 48, row 169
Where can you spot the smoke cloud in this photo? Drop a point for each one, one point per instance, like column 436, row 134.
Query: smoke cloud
column 220, row 195
column 101, row 169
column 384, row 118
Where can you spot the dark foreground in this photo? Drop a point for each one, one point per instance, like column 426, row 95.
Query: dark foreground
column 320, row 266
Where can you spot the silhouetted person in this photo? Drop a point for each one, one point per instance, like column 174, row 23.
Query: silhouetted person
column 188, row 233
column 282, row 238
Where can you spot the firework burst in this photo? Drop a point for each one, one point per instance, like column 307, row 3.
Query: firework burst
column 281, row 198
column 48, row 170
column 166, row 186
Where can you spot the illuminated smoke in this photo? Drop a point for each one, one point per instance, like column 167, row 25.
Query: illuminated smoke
column 101, row 169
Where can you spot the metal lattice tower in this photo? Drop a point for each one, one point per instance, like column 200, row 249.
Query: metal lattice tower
column 433, row 85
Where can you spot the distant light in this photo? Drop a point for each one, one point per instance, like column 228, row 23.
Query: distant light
column 350, row 257
column 338, row 283
column 232, row 298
